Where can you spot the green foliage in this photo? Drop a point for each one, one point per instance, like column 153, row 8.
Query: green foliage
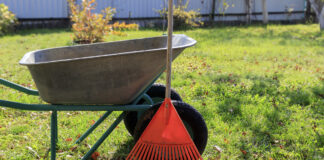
column 8, row 20
column 87, row 26
column 182, row 18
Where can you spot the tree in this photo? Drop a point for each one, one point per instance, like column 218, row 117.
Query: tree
column 248, row 4
column 264, row 11
column 318, row 7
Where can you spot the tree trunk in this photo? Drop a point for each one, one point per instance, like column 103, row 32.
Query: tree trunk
column 318, row 8
column 315, row 7
column 248, row 11
column 321, row 19
column 308, row 12
column 264, row 11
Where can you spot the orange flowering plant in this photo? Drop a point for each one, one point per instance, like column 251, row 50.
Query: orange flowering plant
column 118, row 28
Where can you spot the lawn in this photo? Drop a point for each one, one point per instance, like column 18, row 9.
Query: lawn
column 260, row 90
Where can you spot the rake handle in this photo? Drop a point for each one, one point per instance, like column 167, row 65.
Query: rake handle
column 169, row 50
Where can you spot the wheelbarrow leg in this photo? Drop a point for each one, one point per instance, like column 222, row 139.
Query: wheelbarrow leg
column 103, row 117
column 53, row 134
column 149, row 100
column 93, row 127
column 104, row 136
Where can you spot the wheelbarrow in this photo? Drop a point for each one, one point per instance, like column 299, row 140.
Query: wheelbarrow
column 113, row 76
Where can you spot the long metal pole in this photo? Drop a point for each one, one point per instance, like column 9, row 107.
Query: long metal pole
column 169, row 51
column 93, row 127
column 104, row 136
column 53, row 134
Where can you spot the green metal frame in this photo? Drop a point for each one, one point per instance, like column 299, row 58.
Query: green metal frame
column 55, row 108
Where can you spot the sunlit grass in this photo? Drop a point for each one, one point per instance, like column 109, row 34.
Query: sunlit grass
column 260, row 90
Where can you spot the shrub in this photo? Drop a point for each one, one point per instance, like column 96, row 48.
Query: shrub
column 89, row 27
column 124, row 27
column 118, row 28
column 8, row 20
column 183, row 18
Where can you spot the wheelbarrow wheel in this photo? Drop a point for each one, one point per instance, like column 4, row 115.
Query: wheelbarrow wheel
column 157, row 93
column 191, row 118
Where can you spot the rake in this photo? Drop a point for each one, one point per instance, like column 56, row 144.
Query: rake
column 165, row 137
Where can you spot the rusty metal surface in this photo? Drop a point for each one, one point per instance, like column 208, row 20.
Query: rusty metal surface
column 101, row 73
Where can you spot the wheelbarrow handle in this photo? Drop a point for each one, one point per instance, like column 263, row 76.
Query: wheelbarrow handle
column 18, row 87
column 169, row 50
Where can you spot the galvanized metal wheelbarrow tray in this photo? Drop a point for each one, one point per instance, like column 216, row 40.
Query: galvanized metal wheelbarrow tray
column 111, row 76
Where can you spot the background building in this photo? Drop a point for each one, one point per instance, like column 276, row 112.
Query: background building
column 145, row 11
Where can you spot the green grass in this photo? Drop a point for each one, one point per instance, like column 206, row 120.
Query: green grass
column 260, row 90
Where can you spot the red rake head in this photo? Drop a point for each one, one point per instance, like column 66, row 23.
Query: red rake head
column 165, row 138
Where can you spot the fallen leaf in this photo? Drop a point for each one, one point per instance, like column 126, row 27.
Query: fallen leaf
column 73, row 148
column 33, row 151
column 275, row 78
column 68, row 139
column 87, row 145
column 244, row 133
column 314, row 127
column 243, row 151
column 318, row 70
column 298, row 68
column 78, row 136
column 92, row 122
column 204, row 104
column 69, row 156
column 217, row 148
column 226, row 141
column 95, row 155
column 281, row 147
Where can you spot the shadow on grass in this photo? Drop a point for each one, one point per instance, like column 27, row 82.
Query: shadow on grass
column 319, row 110
column 231, row 107
column 266, row 121
column 123, row 150
column 319, row 93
